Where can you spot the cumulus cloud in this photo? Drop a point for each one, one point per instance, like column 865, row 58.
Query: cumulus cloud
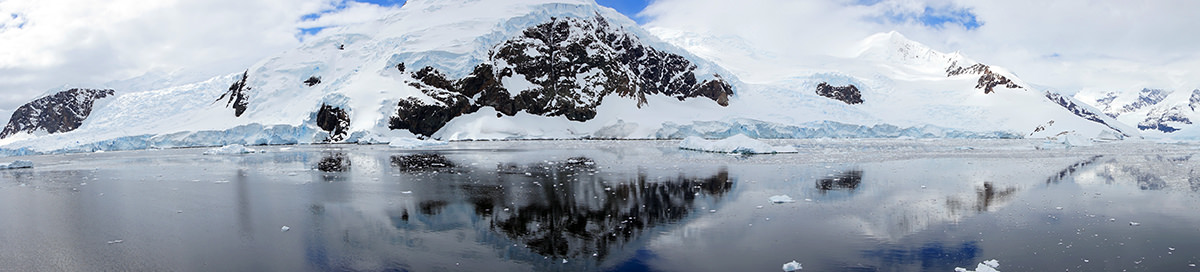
column 1067, row 45
column 49, row 43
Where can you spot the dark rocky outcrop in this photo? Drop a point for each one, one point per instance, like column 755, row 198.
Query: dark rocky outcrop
column 61, row 112
column 848, row 94
column 569, row 64
column 1079, row 110
column 334, row 120
column 312, row 80
column 237, row 95
column 1159, row 119
column 988, row 80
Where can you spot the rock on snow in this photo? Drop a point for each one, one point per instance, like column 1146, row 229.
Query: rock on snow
column 736, row 144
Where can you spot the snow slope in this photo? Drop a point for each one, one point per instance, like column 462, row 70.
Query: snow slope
column 535, row 69
column 1159, row 114
column 901, row 82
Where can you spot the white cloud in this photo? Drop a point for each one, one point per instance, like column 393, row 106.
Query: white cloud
column 49, row 43
column 1069, row 45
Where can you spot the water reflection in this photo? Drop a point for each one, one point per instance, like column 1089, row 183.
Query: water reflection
column 555, row 209
column 986, row 197
column 1150, row 172
column 421, row 162
column 1071, row 169
column 334, row 162
column 848, row 180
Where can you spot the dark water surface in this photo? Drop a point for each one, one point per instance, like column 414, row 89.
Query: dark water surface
column 866, row 205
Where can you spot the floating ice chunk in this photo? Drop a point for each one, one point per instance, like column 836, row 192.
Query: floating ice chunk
column 779, row 199
column 792, row 266
column 736, row 144
column 284, row 228
column 410, row 143
column 986, row 266
column 232, row 149
column 18, row 164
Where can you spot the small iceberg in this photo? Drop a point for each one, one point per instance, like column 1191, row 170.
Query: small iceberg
column 792, row 266
column 410, row 143
column 740, row 143
column 780, row 199
column 986, row 266
column 233, row 149
column 16, row 165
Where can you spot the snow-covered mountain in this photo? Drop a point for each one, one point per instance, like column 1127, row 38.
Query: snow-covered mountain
column 890, row 79
column 1158, row 113
column 504, row 69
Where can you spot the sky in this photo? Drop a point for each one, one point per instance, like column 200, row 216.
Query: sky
column 1070, row 45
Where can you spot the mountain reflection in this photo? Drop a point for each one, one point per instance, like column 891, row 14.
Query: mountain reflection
column 335, row 162
column 986, row 197
column 848, row 180
column 561, row 209
column 421, row 162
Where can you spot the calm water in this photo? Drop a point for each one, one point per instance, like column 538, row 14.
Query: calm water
column 875, row 205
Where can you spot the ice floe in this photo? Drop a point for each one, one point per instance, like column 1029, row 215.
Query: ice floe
column 18, row 164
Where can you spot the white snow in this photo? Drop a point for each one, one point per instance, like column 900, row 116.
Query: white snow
column 736, row 144
column 410, row 143
column 903, row 83
column 792, row 266
column 17, row 164
column 233, row 149
column 986, row 266
column 779, row 199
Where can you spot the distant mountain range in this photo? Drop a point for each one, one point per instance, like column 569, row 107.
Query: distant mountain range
column 551, row 69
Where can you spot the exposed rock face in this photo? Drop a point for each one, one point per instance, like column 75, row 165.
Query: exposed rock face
column 1078, row 110
column 312, row 80
column 848, row 94
column 237, row 95
column 335, row 121
column 1146, row 98
column 988, row 80
column 561, row 68
column 62, row 112
column 1159, row 119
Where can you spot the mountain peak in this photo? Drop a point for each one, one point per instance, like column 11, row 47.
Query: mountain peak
column 894, row 47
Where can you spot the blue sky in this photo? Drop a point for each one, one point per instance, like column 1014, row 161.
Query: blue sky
column 628, row 7
column 935, row 17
